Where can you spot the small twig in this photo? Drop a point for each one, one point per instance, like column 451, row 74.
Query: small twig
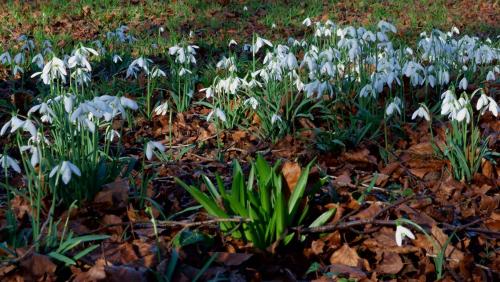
column 31, row 248
column 171, row 223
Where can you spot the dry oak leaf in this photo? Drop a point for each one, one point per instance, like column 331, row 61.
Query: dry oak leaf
column 232, row 259
column 38, row 265
column 384, row 241
column 361, row 156
column 291, row 172
column 391, row 263
column 369, row 212
column 346, row 256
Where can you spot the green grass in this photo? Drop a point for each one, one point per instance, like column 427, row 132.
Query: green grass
column 65, row 22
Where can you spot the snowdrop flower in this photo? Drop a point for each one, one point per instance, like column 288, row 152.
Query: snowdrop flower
column 117, row 58
column 367, row 90
column 81, row 76
column 54, row 69
column 401, row 233
column 152, row 145
column 45, row 110
column 463, row 83
column 136, row 65
column 232, row 42
column 38, row 61
column 17, row 69
column 490, row 76
column 208, row 92
column 184, row 71
column 19, row 58
column 275, row 118
column 161, row 109
column 307, row 22
column 218, row 113
column 291, row 61
column 79, row 60
column 485, row 103
column 112, row 134
column 15, row 123
column 245, row 8
column 394, row 106
column 385, row 26
column 5, row 58
column 259, row 43
column 65, row 169
column 35, row 154
column 8, row 162
column 129, row 103
column 422, row 112
column 157, row 72
column 462, row 114
column 68, row 101
column 252, row 102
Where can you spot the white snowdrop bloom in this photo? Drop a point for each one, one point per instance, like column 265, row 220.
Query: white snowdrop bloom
column 252, row 102
column 401, row 233
column 15, row 123
column 485, row 103
column 157, row 72
column 17, row 70
column 117, row 58
column 455, row 30
column 275, row 118
column 5, row 58
column 19, row 58
column 385, row 26
column 368, row 36
column 38, row 61
column 422, row 112
column 112, row 134
column 79, row 60
column 218, row 113
column 393, row 107
column 311, row 88
column 184, row 71
column 209, row 92
column 86, row 51
column 291, row 61
column 462, row 114
column 65, row 169
column 129, row 103
column 232, row 42
column 493, row 106
column 367, row 90
column 463, row 83
column 138, row 64
column 35, row 154
column 45, row 110
column 161, row 109
column 7, row 162
column 482, row 102
column 259, row 43
column 68, row 101
column 54, row 69
column 151, row 146
column 490, row 76
column 307, row 22
column 81, row 76
column 245, row 8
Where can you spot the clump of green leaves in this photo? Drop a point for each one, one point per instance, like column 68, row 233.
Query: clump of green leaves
column 260, row 200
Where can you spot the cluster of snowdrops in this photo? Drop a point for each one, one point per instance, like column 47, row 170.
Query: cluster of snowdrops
column 68, row 140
